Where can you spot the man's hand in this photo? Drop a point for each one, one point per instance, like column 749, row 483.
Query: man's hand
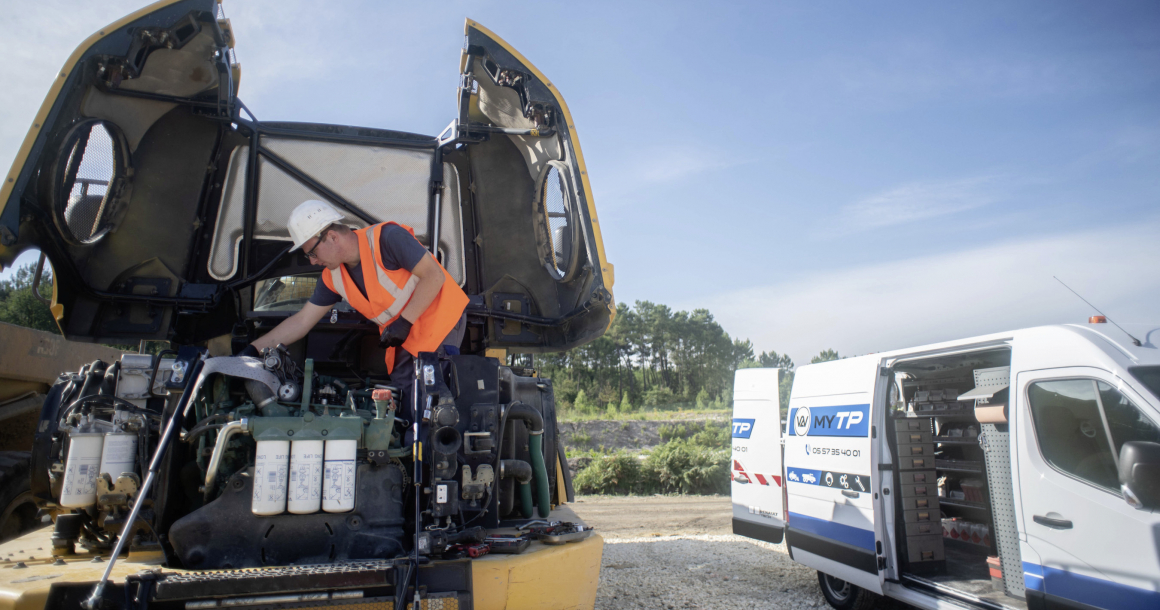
column 250, row 351
column 293, row 328
column 395, row 333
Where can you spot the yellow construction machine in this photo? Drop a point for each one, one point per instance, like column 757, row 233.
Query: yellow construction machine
column 184, row 479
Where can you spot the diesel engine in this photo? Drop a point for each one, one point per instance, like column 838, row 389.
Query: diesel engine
column 273, row 464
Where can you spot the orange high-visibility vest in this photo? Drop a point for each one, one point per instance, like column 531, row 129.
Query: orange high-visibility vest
column 389, row 291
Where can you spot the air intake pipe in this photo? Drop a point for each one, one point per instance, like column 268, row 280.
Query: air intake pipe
column 535, row 423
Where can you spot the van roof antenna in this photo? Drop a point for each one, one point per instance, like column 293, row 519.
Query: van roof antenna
column 1135, row 341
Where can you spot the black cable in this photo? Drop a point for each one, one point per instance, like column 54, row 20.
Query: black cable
column 124, row 404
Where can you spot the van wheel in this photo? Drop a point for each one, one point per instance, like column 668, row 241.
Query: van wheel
column 845, row 596
column 17, row 507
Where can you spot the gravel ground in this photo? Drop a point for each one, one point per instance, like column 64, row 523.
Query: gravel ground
column 703, row 571
column 679, row 552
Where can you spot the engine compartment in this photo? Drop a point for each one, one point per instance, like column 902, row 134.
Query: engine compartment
column 277, row 464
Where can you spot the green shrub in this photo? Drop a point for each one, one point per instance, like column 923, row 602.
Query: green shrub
column 669, row 432
column 611, row 474
column 624, row 425
column 713, row 436
column 582, row 403
column 681, row 466
column 659, row 396
column 581, row 438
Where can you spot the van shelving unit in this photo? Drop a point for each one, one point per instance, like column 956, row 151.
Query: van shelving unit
column 924, row 413
column 920, row 448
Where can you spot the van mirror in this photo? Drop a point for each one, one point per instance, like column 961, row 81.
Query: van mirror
column 1140, row 474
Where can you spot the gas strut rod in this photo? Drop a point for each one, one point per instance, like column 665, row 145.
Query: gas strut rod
column 417, row 475
column 179, row 413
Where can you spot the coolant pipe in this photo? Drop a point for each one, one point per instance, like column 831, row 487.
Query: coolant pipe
column 535, row 421
column 521, row 471
column 307, row 384
column 536, row 446
column 224, row 435
column 262, row 395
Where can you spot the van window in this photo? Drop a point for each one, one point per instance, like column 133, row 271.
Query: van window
column 1071, row 432
column 1126, row 421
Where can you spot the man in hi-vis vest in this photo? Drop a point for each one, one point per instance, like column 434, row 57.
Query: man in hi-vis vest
column 386, row 275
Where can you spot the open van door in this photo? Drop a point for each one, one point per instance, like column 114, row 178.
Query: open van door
column 756, row 483
column 830, row 475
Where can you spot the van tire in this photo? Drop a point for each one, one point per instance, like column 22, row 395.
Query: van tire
column 17, row 506
column 845, row 596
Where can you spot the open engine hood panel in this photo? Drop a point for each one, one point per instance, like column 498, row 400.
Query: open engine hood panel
column 161, row 201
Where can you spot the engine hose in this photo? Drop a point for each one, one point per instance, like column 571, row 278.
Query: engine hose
column 526, row 500
column 521, row 471
column 536, row 445
column 535, row 422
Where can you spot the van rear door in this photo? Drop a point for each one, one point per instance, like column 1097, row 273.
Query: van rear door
column 831, row 512
column 755, row 474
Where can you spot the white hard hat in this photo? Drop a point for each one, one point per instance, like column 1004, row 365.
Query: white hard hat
column 309, row 219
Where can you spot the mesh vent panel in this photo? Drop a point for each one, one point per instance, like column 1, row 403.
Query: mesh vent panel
column 95, row 163
column 559, row 219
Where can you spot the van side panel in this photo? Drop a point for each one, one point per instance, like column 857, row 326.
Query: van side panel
column 829, row 469
column 755, row 470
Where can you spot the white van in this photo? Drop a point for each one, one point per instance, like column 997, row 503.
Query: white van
column 1017, row 470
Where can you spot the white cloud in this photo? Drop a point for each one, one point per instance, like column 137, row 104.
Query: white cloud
column 874, row 308
column 917, row 201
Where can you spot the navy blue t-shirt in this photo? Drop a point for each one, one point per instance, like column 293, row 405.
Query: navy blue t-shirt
column 400, row 250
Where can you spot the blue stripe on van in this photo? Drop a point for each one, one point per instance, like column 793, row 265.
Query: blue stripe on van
column 1088, row 590
column 853, row 536
column 1033, row 576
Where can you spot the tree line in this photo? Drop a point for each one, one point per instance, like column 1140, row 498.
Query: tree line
column 654, row 357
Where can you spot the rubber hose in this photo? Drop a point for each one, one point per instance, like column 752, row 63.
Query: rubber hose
column 536, row 445
column 535, row 421
column 526, row 500
column 109, row 382
column 261, row 394
column 521, row 471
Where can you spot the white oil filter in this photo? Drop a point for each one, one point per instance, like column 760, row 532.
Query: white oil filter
column 119, row 455
column 79, row 489
column 271, row 466
column 338, row 479
column 305, row 477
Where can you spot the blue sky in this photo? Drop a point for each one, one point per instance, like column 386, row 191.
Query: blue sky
column 861, row 176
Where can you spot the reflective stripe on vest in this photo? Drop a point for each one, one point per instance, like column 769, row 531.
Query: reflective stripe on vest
column 401, row 295
column 388, row 292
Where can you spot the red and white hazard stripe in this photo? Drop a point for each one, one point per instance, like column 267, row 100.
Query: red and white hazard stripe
column 763, row 479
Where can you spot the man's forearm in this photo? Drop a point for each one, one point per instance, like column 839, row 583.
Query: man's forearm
column 425, row 292
column 431, row 279
column 288, row 331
